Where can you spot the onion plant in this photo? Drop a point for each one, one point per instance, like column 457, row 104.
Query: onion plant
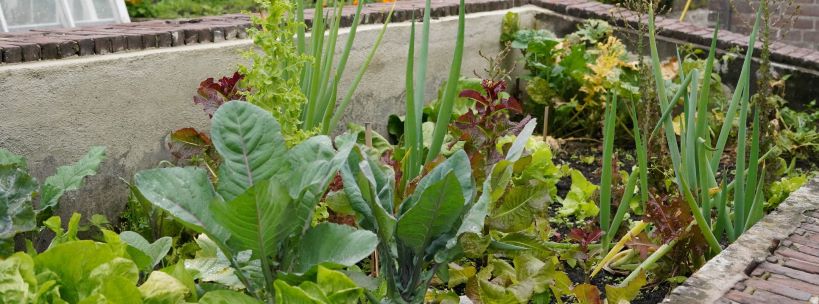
column 694, row 158
column 416, row 91
column 319, row 81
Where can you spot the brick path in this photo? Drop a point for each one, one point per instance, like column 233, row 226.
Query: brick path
column 790, row 274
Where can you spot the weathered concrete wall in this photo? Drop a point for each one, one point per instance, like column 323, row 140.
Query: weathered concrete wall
column 53, row 111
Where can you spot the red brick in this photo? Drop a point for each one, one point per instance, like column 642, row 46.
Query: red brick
column 778, row 288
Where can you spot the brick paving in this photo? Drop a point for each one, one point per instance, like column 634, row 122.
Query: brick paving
column 104, row 39
column 790, row 274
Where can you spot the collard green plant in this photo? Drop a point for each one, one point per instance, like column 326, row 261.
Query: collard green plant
column 263, row 202
column 419, row 231
column 20, row 209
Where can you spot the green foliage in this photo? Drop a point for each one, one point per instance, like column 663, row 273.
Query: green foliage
column 522, row 281
column 172, row 9
column 18, row 191
column 579, row 201
column 295, row 80
column 276, row 67
column 573, row 75
column 799, row 136
column 262, row 204
column 510, row 26
column 779, row 190
column 330, row 287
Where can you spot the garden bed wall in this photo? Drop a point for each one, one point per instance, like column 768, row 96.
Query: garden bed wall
column 126, row 86
column 52, row 111
column 766, row 250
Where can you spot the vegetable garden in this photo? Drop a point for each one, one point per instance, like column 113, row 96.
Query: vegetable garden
column 595, row 175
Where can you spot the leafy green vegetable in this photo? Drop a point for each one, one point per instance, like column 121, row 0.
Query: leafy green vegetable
column 18, row 191
column 578, row 201
column 263, row 203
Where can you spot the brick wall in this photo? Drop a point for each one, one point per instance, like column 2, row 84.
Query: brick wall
column 795, row 24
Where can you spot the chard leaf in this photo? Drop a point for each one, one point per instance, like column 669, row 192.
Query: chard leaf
column 70, row 177
column 250, row 142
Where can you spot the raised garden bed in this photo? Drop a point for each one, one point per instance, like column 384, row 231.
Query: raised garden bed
column 646, row 172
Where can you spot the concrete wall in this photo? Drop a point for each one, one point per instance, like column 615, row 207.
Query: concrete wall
column 53, row 111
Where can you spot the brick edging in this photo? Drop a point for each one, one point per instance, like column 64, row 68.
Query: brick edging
column 104, row 39
column 47, row 44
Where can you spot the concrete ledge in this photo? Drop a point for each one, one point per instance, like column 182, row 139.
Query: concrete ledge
column 52, row 111
column 731, row 266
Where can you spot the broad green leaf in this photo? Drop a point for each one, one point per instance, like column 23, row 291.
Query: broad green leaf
column 62, row 261
column 457, row 163
column 162, row 288
column 185, row 193
column 257, row 219
column 579, row 199
column 364, row 190
column 438, row 209
column 211, row 265
column 338, row 287
column 492, row 293
column 315, row 164
column 18, row 283
column 286, row 294
column 156, row 250
column 518, row 208
column 16, row 210
column 339, row 203
column 9, row 158
column 227, row 297
column 334, row 244
column 182, row 275
column 250, row 142
column 117, row 289
column 624, row 294
column 70, row 177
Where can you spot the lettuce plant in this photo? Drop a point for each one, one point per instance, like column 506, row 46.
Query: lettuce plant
column 20, row 209
column 109, row 272
column 263, row 202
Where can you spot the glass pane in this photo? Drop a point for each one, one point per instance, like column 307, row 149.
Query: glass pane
column 91, row 11
column 26, row 14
